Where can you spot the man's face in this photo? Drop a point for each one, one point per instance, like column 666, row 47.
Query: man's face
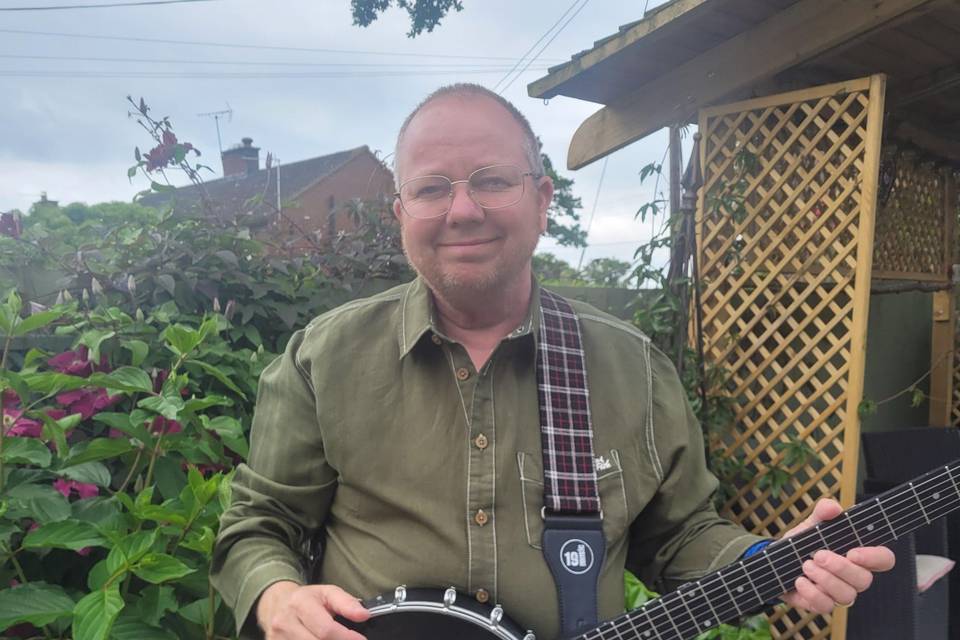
column 470, row 250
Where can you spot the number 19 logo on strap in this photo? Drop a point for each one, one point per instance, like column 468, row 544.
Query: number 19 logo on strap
column 576, row 556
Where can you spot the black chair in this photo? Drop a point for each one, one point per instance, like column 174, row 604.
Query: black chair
column 892, row 608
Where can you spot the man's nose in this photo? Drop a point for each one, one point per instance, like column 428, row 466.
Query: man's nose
column 463, row 208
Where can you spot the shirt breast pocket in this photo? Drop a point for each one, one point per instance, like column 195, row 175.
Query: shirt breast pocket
column 610, row 483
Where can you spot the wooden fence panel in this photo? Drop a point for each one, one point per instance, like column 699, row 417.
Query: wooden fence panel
column 785, row 230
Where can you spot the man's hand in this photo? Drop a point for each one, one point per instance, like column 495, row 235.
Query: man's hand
column 289, row 611
column 831, row 579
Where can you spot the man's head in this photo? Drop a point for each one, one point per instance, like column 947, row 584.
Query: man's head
column 471, row 249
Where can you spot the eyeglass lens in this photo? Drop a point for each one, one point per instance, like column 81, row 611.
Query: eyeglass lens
column 491, row 188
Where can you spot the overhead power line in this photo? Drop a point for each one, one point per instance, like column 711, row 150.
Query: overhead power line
column 534, row 45
column 258, row 47
column 67, row 7
column 40, row 73
column 544, row 47
column 193, row 61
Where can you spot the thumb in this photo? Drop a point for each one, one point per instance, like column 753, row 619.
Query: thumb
column 339, row 602
column 825, row 509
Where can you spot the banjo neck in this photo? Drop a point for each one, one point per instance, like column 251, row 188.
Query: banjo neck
column 747, row 585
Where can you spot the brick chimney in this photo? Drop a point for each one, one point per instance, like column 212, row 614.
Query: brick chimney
column 241, row 160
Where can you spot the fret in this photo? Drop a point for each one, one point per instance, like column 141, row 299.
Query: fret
column 822, row 539
column 919, row 502
column 775, row 573
column 854, row 528
column 956, row 487
column 796, row 552
column 733, row 599
column 871, row 535
column 716, row 617
column 666, row 610
column 651, row 631
column 884, row 513
column 706, row 623
column 746, row 575
column 681, row 593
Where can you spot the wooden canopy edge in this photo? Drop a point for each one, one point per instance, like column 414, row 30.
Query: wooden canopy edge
column 550, row 85
column 791, row 37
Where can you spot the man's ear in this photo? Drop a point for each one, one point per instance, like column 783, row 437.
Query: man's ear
column 397, row 210
column 544, row 199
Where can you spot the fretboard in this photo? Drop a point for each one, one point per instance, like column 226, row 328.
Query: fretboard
column 744, row 586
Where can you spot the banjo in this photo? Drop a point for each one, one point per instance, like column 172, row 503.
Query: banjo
column 737, row 589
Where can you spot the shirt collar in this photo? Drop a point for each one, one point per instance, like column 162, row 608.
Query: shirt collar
column 417, row 316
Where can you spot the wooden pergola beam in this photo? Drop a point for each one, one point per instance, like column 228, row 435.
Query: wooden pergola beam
column 797, row 34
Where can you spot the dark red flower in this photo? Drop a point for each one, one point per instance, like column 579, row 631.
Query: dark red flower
column 14, row 424
column 76, row 363
column 83, row 490
column 162, row 425
column 87, row 402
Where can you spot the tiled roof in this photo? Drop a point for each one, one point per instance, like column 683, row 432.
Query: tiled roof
column 248, row 193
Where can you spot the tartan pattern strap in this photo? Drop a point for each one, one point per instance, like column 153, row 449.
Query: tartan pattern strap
column 569, row 477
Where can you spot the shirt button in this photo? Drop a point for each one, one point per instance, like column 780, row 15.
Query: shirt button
column 482, row 596
column 463, row 373
column 481, row 441
column 481, row 517
column 436, row 339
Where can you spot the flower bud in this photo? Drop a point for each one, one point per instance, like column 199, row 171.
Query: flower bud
column 67, row 297
column 131, row 284
column 231, row 307
column 139, row 315
column 216, row 304
column 95, row 287
column 85, row 296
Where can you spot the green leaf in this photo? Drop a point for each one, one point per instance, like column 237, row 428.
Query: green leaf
column 866, row 407
column 219, row 375
column 201, row 541
column 98, row 449
column 170, row 477
column 197, row 612
column 193, row 405
column 98, row 576
column 162, row 188
column 94, row 615
column 49, row 383
column 89, row 472
column 917, row 396
column 160, row 567
column 225, row 490
column 230, row 431
column 138, row 349
column 155, row 601
column 36, row 603
column 203, row 490
column 181, row 339
column 7, row 529
column 129, row 379
column 37, row 321
column 12, row 380
column 55, row 431
column 636, row 593
column 129, row 550
column 123, row 422
column 26, row 451
column 93, row 339
column 42, row 503
column 167, row 406
column 132, row 629
column 66, row 534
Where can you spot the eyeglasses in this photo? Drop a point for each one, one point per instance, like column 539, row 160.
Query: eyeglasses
column 493, row 187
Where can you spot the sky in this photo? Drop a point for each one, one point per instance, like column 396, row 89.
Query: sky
column 64, row 126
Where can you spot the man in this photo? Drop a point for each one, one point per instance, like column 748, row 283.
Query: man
column 404, row 428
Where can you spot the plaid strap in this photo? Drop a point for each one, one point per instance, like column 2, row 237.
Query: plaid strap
column 569, row 477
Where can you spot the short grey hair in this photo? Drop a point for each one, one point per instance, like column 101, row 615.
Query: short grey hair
column 531, row 145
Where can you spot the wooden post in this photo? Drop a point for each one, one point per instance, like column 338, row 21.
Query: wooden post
column 678, row 244
column 944, row 324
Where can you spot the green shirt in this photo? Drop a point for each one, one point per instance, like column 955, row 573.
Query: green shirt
column 376, row 430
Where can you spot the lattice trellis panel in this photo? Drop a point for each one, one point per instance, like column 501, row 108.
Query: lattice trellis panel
column 910, row 240
column 784, row 239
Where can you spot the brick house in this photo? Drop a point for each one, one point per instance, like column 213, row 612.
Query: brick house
column 313, row 201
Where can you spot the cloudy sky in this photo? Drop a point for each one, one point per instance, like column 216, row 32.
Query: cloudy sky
column 328, row 86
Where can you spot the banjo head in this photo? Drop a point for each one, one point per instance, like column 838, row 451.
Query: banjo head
column 418, row 614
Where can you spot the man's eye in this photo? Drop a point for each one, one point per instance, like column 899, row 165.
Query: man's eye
column 492, row 184
column 430, row 191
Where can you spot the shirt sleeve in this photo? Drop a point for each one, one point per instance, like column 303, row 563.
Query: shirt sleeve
column 679, row 536
column 280, row 498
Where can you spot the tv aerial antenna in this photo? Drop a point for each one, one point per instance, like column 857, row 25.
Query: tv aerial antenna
column 217, row 115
